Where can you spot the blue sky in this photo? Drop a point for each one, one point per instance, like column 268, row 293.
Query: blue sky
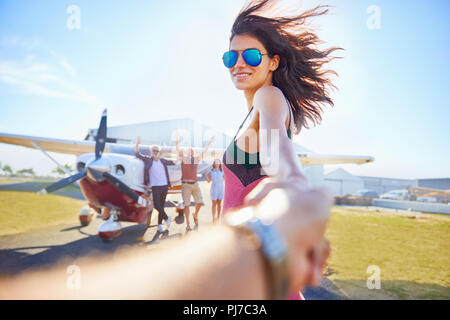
column 154, row 60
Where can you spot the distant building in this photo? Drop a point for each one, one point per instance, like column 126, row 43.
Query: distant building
column 383, row 185
column 341, row 182
column 441, row 184
column 192, row 133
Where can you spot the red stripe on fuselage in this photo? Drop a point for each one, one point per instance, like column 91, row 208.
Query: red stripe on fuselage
column 103, row 194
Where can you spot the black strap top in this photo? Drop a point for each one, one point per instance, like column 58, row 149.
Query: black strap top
column 241, row 157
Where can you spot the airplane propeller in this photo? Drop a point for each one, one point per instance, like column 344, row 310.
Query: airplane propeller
column 63, row 182
column 97, row 169
column 100, row 140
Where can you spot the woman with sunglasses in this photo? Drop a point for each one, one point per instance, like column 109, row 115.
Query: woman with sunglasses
column 276, row 63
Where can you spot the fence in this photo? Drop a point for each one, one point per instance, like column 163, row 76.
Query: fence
column 413, row 205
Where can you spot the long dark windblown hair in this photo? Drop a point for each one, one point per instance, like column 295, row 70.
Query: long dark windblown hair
column 300, row 75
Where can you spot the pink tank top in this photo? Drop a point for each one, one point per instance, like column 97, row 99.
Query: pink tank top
column 243, row 172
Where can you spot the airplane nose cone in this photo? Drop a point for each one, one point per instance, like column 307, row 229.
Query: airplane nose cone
column 96, row 168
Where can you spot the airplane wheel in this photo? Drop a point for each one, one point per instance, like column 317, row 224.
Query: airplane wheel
column 180, row 208
column 84, row 223
column 85, row 216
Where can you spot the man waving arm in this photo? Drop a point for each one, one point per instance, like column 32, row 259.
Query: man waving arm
column 205, row 150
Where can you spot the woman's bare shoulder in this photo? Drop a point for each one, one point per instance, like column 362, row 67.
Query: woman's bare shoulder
column 270, row 99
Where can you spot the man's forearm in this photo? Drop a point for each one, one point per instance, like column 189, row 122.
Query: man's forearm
column 216, row 264
column 205, row 150
column 219, row 265
column 177, row 146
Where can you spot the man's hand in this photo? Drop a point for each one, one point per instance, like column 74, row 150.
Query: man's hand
column 209, row 142
column 138, row 142
column 177, row 143
column 205, row 150
column 300, row 214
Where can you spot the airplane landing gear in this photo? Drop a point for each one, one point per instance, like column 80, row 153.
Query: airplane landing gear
column 111, row 228
column 180, row 210
column 85, row 215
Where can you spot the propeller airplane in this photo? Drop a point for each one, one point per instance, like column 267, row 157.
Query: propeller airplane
column 111, row 178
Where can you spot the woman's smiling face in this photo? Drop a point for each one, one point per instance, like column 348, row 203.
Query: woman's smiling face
column 246, row 77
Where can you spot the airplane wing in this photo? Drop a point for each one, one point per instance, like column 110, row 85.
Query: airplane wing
column 309, row 158
column 78, row 147
column 50, row 144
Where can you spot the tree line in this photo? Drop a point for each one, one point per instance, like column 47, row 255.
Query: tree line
column 6, row 169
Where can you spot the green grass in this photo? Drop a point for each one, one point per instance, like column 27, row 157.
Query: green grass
column 9, row 180
column 25, row 211
column 412, row 251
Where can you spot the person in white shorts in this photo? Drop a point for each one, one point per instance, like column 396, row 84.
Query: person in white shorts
column 189, row 183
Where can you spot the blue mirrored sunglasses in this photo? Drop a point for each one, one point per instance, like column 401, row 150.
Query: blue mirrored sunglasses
column 252, row 57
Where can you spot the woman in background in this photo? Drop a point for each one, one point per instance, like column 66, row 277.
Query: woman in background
column 215, row 175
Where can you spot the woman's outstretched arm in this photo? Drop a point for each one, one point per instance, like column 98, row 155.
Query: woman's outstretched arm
column 277, row 154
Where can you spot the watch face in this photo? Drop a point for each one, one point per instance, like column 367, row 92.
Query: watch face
column 274, row 248
column 271, row 243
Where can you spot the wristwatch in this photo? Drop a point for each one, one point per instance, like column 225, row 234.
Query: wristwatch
column 272, row 245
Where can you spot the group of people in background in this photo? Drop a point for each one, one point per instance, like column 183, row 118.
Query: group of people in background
column 156, row 178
